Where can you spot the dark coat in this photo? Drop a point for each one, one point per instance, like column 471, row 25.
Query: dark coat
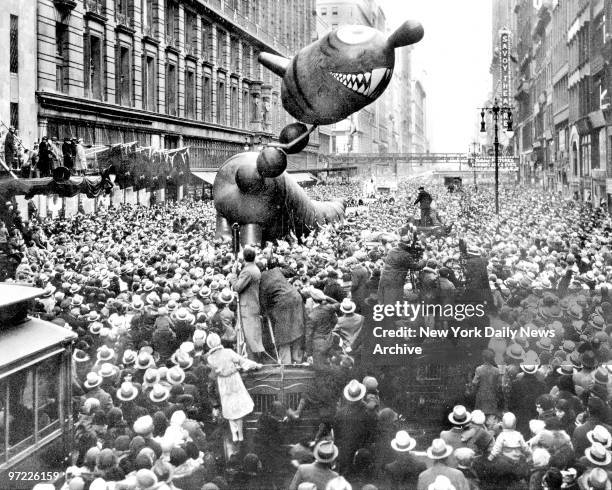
column 359, row 288
column 247, row 286
column 391, row 286
column 283, row 305
column 316, row 473
column 523, row 394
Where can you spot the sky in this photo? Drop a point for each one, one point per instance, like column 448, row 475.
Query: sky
column 454, row 56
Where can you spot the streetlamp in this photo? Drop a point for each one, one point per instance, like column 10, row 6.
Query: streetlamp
column 496, row 110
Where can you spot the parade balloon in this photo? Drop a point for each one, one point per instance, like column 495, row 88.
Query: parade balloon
column 290, row 133
column 341, row 73
column 248, row 179
column 271, row 162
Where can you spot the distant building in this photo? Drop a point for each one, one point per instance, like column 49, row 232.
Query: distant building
column 382, row 126
column 420, row 143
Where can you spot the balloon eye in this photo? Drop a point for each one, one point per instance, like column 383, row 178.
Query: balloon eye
column 355, row 34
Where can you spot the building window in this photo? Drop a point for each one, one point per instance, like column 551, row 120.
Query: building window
column 254, row 106
column 221, row 101
column 189, row 94
column 234, row 106
column 148, row 9
column 207, row 97
column 149, row 93
column 190, row 32
column 207, row 41
column 61, row 57
column 246, row 61
column 221, row 48
column 124, row 76
column 334, row 26
column 14, row 115
column 172, row 23
column 323, row 11
column 92, row 66
column 334, row 11
column 246, row 109
column 14, row 42
column 234, row 58
column 171, row 89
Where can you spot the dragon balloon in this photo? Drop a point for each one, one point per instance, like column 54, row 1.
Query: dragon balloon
column 324, row 83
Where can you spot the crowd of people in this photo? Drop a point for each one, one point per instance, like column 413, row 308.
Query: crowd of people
column 161, row 308
column 43, row 157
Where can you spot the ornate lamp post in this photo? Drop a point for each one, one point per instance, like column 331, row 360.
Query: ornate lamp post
column 497, row 111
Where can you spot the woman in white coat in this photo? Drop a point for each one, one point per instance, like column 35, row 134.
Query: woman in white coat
column 236, row 402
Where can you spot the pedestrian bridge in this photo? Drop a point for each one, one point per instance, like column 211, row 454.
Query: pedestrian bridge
column 419, row 159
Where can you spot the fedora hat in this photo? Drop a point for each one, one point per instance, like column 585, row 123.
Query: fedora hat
column 182, row 314
column 459, row 415
column 129, row 357
column 204, row 292
column 79, row 356
column 48, row 291
column 530, row 363
column 568, row 346
column 600, row 376
column 515, row 351
column 566, row 369
column 127, row 391
column 105, row 353
column 151, row 377
column 354, row 391
column 347, row 306
column 92, row 380
column 144, row 360
column 598, row 454
column 599, row 434
column 575, row 312
column 325, row 452
column 108, row 370
column 545, row 343
column 182, row 359
column 439, row 449
column 137, row 303
column 574, row 358
column 77, row 300
column 225, row 296
column 159, row 393
column 175, row 375
column 213, row 340
column 74, row 288
column 403, row 442
column 93, row 316
column 196, row 306
column 95, row 328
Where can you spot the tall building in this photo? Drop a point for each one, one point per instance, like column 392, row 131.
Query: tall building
column 168, row 73
column 18, row 77
column 381, row 126
column 420, row 143
column 563, row 56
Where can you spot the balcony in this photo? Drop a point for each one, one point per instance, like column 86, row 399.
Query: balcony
column 124, row 22
column 65, row 6
column 95, row 9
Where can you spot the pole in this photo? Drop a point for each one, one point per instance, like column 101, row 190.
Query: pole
column 496, row 145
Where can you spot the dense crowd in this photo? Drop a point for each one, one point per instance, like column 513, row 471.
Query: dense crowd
column 153, row 298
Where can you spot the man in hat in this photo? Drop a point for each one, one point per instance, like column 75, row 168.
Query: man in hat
column 438, row 452
column 350, row 324
column 455, row 437
column 320, row 472
column 283, row 306
column 524, row 392
column 92, row 389
column 595, row 416
column 405, row 468
column 354, row 427
column 247, row 286
column 424, row 200
column 398, row 262
column 487, row 385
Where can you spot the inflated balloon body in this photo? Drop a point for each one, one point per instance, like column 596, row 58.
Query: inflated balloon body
column 324, row 83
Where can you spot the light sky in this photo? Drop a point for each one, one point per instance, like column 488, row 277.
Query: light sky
column 455, row 55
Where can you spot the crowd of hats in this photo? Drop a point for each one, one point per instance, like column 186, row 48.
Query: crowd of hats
column 549, row 268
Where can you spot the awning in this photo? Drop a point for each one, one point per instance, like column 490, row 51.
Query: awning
column 300, row 177
column 208, row 177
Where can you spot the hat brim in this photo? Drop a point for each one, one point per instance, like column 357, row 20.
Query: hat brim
column 157, row 400
column 530, row 369
column 452, row 420
column 95, row 385
column 559, row 371
column 589, row 436
column 350, row 310
column 127, row 399
column 403, row 449
column 362, row 392
column 331, row 459
column 605, row 462
column 446, row 454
